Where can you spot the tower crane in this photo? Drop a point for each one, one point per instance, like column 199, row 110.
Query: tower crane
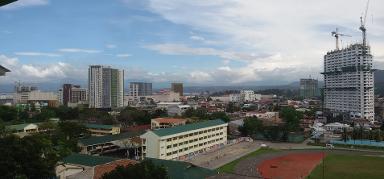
column 336, row 34
column 362, row 27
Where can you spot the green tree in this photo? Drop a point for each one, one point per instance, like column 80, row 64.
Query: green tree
column 292, row 118
column 220, row 115
column 28, row 157
column 67, row 113
column 251, row 126
column 143, row 170
column 45, row 114
column 8, row 113
column 199, row 113
column 71, row 130
column 131, row 115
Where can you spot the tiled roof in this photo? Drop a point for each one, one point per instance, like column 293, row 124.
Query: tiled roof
column 100, row 170
column 98, row 126
column 109, row 138
column 187, row 127
column 169, row 120
column 183, row 170
column 87, row 160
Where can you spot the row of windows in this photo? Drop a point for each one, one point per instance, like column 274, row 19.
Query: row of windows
column 194, row 134
column 194, row 140
column 194, row 146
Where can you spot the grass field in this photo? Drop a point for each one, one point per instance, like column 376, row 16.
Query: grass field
column 229, row 167
column 350, row 167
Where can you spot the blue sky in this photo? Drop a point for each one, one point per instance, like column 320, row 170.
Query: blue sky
column 196, row 42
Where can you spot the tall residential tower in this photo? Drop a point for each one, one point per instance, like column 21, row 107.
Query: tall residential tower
column 348, row 78
column 309, row 88
column 105, row 87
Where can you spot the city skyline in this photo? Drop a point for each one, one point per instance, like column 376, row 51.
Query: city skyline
column 233, row 43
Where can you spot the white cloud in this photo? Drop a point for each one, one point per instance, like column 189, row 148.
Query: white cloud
column 24, row 3
column 278, row 40
column 36, row 72
column 78, row 50
column 37, row 54
column 111, row 46
column 182, row 49
column 123, row 55
column 198, row 38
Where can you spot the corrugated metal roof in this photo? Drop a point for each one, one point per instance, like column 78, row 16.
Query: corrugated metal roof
column 187, row 127
column 98, row 126
column 87, row 160
column 18, row 126
column 109, row 138
column 182, row 170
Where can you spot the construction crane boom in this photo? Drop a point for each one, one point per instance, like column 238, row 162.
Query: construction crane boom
column 336, row 34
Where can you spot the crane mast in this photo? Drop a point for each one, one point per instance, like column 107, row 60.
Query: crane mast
column 362, row 27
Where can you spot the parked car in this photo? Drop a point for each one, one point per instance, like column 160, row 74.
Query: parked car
column 329, row 146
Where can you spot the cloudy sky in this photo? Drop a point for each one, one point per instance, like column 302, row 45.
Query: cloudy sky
column 198, row 42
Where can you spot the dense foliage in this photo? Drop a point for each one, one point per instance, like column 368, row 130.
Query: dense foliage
column 28, row 157
column 130, row 115
column 144, row 170
column 202, row 114
column 255, row 128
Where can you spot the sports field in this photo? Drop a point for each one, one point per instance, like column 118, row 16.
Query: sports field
column 350, row 167
column 297, row 165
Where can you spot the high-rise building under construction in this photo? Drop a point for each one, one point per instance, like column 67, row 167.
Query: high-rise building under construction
column 348, row 78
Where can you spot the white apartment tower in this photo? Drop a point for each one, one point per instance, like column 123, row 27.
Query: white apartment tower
column 348, row 78
column 105, row 87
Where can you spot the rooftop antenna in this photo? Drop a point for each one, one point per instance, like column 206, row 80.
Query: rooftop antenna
column 362, row 27
column 336, row 34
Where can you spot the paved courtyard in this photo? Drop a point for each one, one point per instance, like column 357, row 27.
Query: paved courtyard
column 215, row 159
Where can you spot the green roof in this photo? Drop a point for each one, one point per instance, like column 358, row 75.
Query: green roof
column 108, row 138
column 98, row 126
column 87, row 160
column 187, row 127
column 18, row 126
column 183, row 170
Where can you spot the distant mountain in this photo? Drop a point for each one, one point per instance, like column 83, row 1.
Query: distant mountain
column 379, row 82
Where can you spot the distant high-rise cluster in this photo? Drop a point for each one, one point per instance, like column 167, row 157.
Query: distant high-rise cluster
column 72, row 94
column 309, row 88
column 140, row 89
column 105, row 87
column 177, row 88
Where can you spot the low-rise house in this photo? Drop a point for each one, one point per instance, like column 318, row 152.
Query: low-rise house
column 101, row 130
column 335, row 127
column 166, row 122
column 23, row 129
column 186, row 141
column 77, row 166
column 177, row 109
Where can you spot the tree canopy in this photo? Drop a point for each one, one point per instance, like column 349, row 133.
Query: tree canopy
column 143, row 170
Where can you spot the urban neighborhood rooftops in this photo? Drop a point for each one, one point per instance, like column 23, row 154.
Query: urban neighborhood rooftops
column 188, row 127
